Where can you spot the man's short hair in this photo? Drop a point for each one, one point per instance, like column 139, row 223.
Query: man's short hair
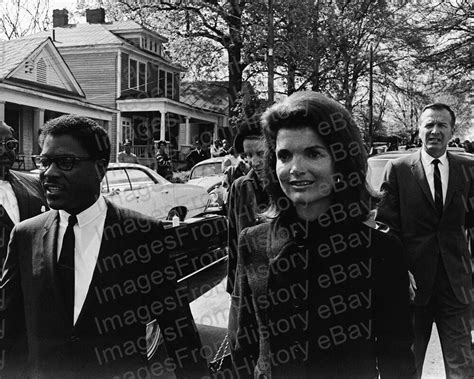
column 440, row 107
column 90, row 135
column 247, row 129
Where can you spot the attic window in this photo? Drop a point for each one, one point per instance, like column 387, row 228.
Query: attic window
column 41, row 71
column 29, row 67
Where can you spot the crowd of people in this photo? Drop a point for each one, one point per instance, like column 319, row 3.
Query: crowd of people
column 328, row 278
column 321, row 288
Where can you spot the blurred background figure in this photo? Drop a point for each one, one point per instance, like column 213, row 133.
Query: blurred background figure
column 468, row 146
column 216, row 148
column 198, row 154
column 163, row 161
column 126, row 156
column 21, row 195
column 247, row 199
column 226, row 148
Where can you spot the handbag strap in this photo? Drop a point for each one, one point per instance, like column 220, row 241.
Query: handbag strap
column 220, row 354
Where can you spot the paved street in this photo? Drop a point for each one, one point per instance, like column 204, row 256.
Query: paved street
column 212, row 309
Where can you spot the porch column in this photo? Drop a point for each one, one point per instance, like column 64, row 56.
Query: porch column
column 38, row 121
column 187, row 132
column 215, row 132
column 119, row 135
column 163, row 126
column 2, row 110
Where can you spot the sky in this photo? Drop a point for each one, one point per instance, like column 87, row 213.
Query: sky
column 60, row 4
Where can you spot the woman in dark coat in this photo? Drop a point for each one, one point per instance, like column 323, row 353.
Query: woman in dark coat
column 322, row 290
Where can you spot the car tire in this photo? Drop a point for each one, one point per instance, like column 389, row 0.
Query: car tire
column 180, row 212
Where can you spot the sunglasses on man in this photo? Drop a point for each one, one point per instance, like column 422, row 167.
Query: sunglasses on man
column 9, row 144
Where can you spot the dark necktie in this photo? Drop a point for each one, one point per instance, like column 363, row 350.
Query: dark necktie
column 66, row 267
column 438, row 188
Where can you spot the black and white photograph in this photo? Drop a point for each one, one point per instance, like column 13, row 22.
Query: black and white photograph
column 230, row 189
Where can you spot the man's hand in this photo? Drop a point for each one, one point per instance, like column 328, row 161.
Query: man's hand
column 412, row 288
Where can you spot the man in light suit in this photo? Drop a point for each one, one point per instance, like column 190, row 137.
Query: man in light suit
column 82, row 280
column 21, row 195
column 428, row 201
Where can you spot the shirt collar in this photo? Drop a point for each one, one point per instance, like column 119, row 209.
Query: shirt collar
column 88, row 215
column 428, row 159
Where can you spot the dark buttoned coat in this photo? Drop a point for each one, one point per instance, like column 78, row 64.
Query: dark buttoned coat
column 322, row 301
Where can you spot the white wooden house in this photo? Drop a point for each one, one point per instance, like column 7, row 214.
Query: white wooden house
column 36, row 85
column 121, row 65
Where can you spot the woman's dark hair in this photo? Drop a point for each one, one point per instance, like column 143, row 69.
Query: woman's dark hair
column 336, row 127
column 90, row 135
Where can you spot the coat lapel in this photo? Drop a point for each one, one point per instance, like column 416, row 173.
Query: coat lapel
column 49, row 253
column 420, row 176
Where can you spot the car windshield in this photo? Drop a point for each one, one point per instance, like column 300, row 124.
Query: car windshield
column 209, row 169
column 375, row 172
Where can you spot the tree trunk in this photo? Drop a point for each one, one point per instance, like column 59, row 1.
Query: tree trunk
column 290, row 86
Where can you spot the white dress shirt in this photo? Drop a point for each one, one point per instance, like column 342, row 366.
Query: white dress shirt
column 9, row 201
column 88, row 236
column 428, row 166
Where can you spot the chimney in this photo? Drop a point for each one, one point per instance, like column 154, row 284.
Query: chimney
column 95, row 16
column 60, row 17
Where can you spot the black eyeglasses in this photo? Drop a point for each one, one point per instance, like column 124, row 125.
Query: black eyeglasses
column 10, row 144
column 63, row 162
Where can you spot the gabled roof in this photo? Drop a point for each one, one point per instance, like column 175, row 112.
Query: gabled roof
column 94, row 35
column 18, row 61
column 81, row 35
column 209, row 95
column 14, row 52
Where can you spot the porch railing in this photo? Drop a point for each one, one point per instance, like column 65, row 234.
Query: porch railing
column 142, row 151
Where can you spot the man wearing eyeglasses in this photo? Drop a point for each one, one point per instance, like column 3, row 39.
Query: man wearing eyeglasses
column 84, row 279
column 21, row 195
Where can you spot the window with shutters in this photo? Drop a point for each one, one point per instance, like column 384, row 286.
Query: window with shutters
column 41, row 71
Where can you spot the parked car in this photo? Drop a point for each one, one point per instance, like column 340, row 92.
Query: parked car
column 209, row 175
column 140, row 188
column 200, row 261
column 378, row 162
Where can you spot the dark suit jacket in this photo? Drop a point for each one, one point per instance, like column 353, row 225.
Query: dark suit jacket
column 300, row 292
column 133, row 283
column 246, row 199
column 195, row 157
column 30, row 197
column 408, row 208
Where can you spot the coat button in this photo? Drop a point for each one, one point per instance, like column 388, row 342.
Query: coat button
column 297, row 303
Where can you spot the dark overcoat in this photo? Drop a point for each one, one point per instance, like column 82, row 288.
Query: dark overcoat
column 328, row 301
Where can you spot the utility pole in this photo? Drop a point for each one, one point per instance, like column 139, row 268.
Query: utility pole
column 270, row 61
column 371, row 94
